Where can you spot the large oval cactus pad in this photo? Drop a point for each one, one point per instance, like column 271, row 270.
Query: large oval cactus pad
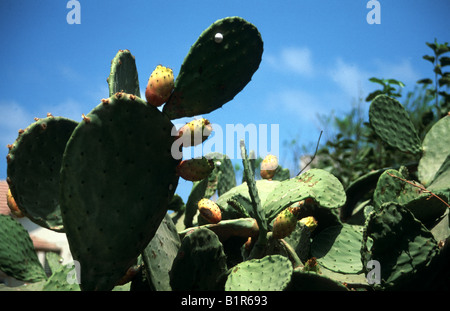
column 392, row 123
column 34, row 161
column 117, row 177
column 215, row 70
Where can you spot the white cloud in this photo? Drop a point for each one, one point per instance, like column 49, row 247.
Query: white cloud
column 293, row 59
column 294, row 102
column 402, row 71
column 349, row 77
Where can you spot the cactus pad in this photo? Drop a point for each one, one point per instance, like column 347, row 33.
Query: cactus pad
column 159, row 254
column 400, row 243
column 17, row 255
column 270, row 273
column 436, row 148
column 123, row 76
column 337, row 248
column 214, row 72
column 392, row 123
column 318, row 184
column 424, row 207
column 34, row 161
column 200, row 262
column 117, row 178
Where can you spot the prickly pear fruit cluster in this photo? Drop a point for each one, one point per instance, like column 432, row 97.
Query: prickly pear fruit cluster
column 195, row 132
column 159, row 86
column 284, row 224
column 269, row 166
column 195, row 169
column 209, row 210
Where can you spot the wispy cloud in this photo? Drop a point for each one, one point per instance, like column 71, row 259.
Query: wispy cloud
column 349, row 77
column 293, row 59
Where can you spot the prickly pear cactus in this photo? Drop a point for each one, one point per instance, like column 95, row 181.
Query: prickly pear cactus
column 117, row 177
column 425, row 207
column 18, row 258
column 214, row 71
column 392, row 123
column 401, row 244
column 34, row 161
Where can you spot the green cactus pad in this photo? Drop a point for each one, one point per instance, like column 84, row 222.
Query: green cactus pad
column 123, row 76
column 337, row 248
column 318, row 184
column 61, row 280
column 424, row 207
column 214, row 72
column 392, row 123
column 441, row 180
column 400, row 243
column 117, row 178
column 159, row 254
column 200, row 262
column 18, row 258
column 436, row 148
column 34, row 161
column 270, row 273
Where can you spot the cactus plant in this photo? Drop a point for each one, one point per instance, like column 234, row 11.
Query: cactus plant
column 109, row 182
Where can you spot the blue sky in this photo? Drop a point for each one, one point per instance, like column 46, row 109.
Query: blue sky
column 318, row 56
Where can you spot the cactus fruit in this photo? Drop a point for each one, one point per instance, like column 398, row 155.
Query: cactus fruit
column 195, row 132
column 13, row 205
column 269, row 166
column 284, row 224
column 195, row 169
column 209, row 210
column 159, row 86
column 310, row 222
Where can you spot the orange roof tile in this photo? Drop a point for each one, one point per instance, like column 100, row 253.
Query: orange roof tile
column 4, row 209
